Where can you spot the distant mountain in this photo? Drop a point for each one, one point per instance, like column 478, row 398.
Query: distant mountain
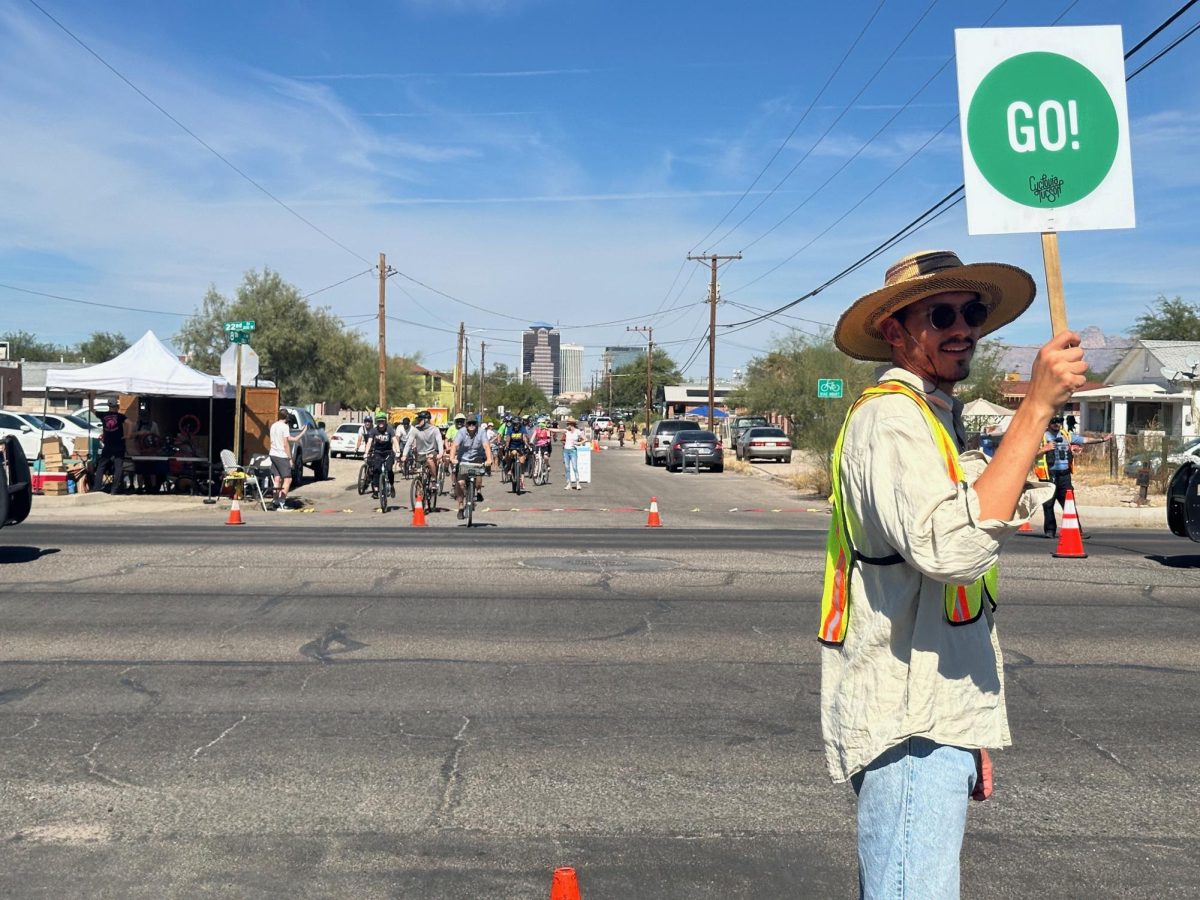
column 1101, row 351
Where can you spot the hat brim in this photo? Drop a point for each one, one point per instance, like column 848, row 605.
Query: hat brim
column 1007, row 290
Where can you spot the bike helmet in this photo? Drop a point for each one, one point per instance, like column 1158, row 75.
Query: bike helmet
column 424, row 416
column 460, row 417
column 380, row 417
column 406, row 421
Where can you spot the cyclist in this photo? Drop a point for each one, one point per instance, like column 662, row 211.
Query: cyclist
column 425, row 441
column 404, row 429
column 541, row 443
column 470, row 446
column 460, row 421
column 381, row 451
column 516, row 447
column 364, row 434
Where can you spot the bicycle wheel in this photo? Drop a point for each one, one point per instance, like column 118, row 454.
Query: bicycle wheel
column 431, row 494
column 383, row 489
column 469, row 500
column 415, row 492
column 364, row 479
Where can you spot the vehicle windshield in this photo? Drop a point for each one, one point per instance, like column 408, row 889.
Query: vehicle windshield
column 706, row 437
column 39, row 422
column 76, row 420
column 349, row 428
column 766, row 432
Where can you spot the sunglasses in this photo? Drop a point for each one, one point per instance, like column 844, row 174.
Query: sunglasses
column 943, row 315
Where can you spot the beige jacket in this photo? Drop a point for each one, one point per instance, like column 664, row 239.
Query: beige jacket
column 903, row 670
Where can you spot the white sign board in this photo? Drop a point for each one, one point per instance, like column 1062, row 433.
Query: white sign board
column 583, row 459
column 229, row 364
column 1045, row 129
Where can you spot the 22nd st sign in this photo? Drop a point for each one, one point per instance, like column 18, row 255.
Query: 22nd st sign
column 1045, row 129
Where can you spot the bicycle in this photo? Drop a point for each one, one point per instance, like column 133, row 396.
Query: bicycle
column 541, row 467
column 364, row 478
column 469, row 473
column 442, row 474
column 408, row 469
column 424, row 487
column 383, row 486
column 516, row 474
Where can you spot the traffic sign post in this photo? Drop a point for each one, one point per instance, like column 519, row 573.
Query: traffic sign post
column 830, row 388
column 238, row 362
column 1045, row 135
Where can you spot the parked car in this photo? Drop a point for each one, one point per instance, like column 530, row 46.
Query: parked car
column 692, row 446
column 72, row 425
column 740, row 423
column 662, row 434
column 312, row 449
column 764, row 443
column 602, row 425
column 1189, row 452
column 344, row 441
column 28, row 429
column 16, row 483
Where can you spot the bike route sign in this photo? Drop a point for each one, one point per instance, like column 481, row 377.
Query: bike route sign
column 1045, row 129
column 830, row 388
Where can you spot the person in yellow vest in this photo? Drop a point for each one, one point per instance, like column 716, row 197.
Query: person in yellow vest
column 912, row 685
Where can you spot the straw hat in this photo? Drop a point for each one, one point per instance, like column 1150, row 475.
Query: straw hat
column 1007, row 291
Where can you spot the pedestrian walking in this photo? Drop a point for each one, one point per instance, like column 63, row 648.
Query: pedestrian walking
column 280, row 455
column 912, row 686
column 1060, row 448
column 571, row 440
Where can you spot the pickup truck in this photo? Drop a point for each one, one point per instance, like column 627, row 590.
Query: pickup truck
column 16, row 483
column 1183, row 501
column 312, row 449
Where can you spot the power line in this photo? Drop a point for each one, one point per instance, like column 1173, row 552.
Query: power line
column 337, row 283
column 191, row 133
column 930, row 215
column 157, row 312
column 799, row 122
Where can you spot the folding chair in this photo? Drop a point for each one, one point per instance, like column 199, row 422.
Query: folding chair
column 229, row 463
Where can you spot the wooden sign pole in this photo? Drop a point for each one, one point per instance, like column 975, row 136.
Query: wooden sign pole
column 1054, row 287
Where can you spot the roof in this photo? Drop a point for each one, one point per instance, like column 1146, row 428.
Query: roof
column 33, row 374
column 1134, row 392
column 695, row 392
column 147, row 368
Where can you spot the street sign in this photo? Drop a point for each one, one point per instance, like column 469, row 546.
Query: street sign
column 239, row 337
column 830, row 388
column 229, row 364
column 1045, row 129
column 247, row 325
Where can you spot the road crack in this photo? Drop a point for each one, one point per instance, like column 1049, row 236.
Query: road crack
column 220, row 737
column 452, row 775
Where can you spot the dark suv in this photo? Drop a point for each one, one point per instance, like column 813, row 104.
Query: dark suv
column 658, row 441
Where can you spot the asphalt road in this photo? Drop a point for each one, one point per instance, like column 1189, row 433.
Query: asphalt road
column 331, row 705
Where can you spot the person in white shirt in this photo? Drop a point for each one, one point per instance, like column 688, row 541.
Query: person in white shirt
column 571, row 440
column 280, row 455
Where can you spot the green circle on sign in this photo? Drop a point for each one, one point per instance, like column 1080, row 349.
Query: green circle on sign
column 1042, row 129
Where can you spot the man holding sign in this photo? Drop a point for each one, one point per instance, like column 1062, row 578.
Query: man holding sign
column 912, row 682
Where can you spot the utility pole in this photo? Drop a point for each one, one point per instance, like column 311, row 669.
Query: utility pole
column 649, row 331
column 713, row 259
column 608, row 378
column 383, row 274
column 482, row 350
column 459, row 360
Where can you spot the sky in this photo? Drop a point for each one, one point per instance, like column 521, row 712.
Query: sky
column 536, row 160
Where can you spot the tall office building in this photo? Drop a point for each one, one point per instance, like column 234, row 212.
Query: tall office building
column 622, row 356
column 540, row 357
column 570, row 368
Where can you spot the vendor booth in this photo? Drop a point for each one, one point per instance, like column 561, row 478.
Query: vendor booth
column 192, row 413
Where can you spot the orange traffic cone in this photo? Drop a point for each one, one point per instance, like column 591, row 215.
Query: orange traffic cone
column 1025, row 528
column 565, row 885
column 235, row 514
column 419, row 513
column 595, row 446
column 1070, row 542
column 654, row 521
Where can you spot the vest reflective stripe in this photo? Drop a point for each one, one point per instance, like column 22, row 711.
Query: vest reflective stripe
column 963, row 602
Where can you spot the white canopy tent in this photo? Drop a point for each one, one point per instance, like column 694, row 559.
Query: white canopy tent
column 146, row 368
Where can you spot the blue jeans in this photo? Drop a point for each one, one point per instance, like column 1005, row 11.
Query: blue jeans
column 571, row 464
column 912, row 812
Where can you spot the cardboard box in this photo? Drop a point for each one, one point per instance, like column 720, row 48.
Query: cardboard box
column 42, row 479
column 55, row 488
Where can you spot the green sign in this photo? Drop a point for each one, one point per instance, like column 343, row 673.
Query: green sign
column 240, row 326
column 239, row 337
column 830, row 388
column 1043, row 129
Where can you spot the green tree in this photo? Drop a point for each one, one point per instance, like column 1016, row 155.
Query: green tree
column 785, row 382
column 102, row 346
column 629, row 382
column 26, row 345
column 522, row 398
column 1168, row 320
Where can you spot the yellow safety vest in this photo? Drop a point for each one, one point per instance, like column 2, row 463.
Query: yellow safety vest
column 963, row 602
